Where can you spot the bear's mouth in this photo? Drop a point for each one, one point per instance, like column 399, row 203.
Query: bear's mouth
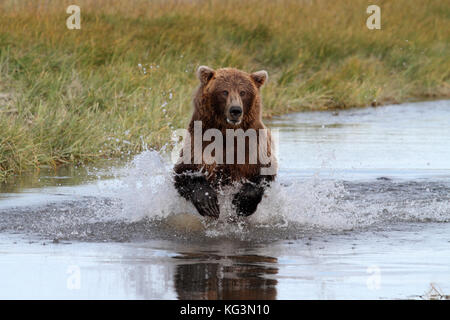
column 234, row 122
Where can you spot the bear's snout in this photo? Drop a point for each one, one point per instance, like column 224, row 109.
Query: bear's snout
column 234, row 112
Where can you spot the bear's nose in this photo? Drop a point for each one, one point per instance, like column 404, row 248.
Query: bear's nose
column 235, row 111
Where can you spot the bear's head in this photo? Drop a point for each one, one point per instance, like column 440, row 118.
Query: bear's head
column 229, row 95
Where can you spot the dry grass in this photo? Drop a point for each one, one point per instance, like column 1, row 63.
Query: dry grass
column 71, row 96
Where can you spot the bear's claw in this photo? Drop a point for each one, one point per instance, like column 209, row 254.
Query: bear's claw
column 205, row 201
column 207, row 210
column 197, row 189
column 247, row 199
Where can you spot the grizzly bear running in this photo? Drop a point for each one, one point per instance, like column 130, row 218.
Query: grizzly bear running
column 227, row 107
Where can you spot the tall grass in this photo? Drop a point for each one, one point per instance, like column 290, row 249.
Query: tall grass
column 126, row 78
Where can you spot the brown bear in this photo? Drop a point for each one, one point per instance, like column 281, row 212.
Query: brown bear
column 228, row 104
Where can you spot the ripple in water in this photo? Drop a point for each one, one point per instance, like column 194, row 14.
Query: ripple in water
column 142, row 203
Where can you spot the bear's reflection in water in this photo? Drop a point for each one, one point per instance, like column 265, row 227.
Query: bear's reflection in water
column 212, row 276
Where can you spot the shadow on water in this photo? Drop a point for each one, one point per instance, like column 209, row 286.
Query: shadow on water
column 214, row 276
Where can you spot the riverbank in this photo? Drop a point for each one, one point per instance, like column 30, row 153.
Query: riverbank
column 125, row 79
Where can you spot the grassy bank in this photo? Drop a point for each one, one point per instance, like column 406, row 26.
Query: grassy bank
column 126, row 78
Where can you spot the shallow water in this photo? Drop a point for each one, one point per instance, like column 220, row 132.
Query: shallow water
column 360, row 210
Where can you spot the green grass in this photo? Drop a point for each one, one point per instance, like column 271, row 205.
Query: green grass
column 75, row 96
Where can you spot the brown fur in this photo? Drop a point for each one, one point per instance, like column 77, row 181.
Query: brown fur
column 211, row 107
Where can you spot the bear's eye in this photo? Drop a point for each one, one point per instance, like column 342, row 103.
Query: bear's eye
column 242, row 93
column 225, row 93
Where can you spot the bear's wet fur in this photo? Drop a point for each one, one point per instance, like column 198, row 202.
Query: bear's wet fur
column 226, row 98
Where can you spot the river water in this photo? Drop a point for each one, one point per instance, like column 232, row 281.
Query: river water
column 360, row 210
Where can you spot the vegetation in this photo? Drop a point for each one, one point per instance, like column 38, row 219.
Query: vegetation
column 126, row 78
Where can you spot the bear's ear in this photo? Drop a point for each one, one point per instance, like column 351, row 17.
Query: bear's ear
column 260, row 77
column 205, row 74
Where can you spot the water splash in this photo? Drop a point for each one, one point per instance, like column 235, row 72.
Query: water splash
column 290, row 206
column 142, row 203
column 146, row 191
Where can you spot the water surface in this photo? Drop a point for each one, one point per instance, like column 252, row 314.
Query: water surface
column 360, row 210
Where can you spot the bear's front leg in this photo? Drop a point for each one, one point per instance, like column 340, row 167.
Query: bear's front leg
column 247, row 199
column 196, row 189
